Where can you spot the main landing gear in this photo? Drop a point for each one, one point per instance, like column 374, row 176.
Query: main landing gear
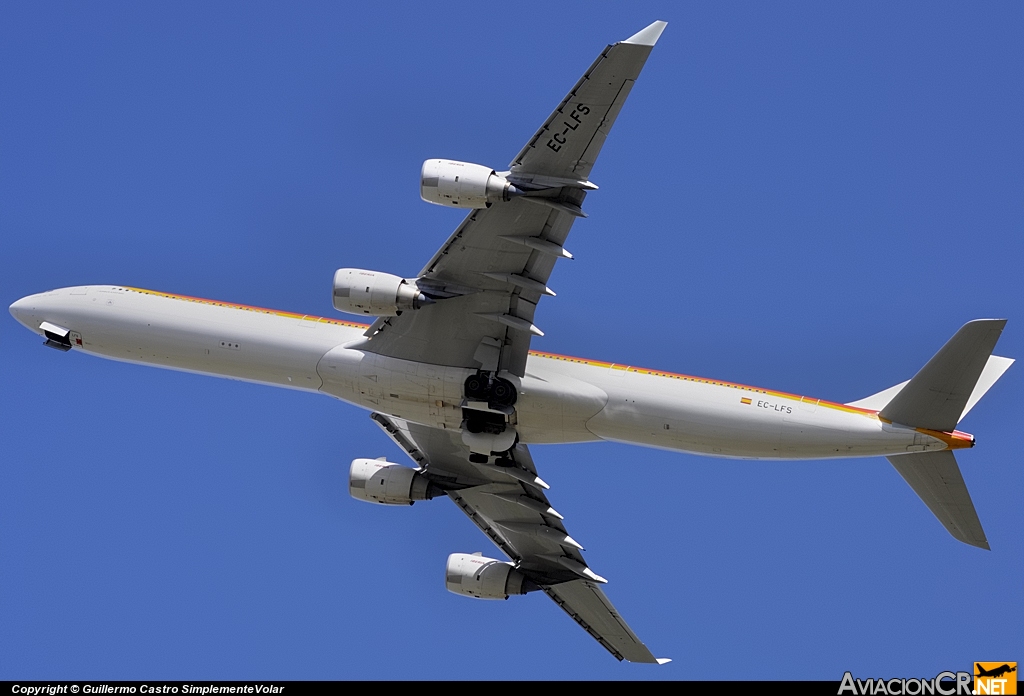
column 487, row 431
column 499, row 393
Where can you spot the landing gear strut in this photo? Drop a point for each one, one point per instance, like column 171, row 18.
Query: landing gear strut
column 487, row 431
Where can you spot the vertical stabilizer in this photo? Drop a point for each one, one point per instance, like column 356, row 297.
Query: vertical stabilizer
column 938, row 395
column 994, row 369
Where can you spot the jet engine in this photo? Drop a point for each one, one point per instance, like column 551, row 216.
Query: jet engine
column 477, row 576
column 378, row 481
column 463, row 185
column 378, row 294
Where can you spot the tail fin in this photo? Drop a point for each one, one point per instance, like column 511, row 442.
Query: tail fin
column 938, row 396
column 936, row 399
column 936, row 479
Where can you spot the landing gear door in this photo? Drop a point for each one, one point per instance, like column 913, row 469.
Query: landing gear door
column 56, row 336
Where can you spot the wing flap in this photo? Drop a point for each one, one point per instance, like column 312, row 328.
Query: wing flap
column 449, row 332
column 506, row 524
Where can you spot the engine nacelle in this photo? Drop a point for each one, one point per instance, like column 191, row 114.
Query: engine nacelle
column 463, row 185
column 378, row 481
column 358, row 291
column 477, row 576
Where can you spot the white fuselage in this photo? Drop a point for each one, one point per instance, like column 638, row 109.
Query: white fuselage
column 561, row 399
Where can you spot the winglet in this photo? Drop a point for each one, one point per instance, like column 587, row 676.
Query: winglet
column 664, row 660
column 648, row 36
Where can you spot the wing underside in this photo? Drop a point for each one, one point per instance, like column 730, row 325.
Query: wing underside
column 493, row 270
column 510, row 506
column 936, row 478
column 483, row 287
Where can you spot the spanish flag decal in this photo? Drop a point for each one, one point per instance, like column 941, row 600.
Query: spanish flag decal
column 744, row 400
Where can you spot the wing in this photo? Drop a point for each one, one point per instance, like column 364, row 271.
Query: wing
column 494, row 268
column 569, row 142
column 509, row 504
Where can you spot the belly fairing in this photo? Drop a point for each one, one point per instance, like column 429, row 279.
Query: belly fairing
column 551, row 408
column 418, row 392
column 554, row 408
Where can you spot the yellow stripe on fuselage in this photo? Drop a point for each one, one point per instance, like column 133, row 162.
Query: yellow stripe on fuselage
column 702, row 380
column 247, row 308
column 954, row 440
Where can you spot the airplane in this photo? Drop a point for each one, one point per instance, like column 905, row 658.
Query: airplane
column 995, row 671
column 446, row 370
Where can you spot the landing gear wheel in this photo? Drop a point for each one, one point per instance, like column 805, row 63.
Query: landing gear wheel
column 477, row 387
column 477, row 458
column 503, row 392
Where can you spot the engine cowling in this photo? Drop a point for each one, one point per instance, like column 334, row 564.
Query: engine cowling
column 379, row 481
column 377, row 294
column 473, row 575
column 463, row 185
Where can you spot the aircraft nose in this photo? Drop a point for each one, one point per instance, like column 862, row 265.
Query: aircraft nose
column 23, row 311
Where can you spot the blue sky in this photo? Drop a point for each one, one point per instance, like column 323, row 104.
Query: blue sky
column 809, row 197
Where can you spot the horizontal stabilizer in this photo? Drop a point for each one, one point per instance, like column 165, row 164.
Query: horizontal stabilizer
column 936, row 479
column 994, row 369
column 938, row 395
column 876, row 402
